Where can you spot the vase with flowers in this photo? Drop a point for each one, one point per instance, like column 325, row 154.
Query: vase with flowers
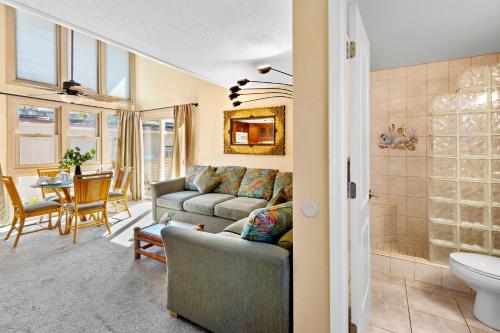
column 74, row 157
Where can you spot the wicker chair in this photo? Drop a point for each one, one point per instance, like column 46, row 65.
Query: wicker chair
column 91, row 198
column 119, row 194
column 24, row 211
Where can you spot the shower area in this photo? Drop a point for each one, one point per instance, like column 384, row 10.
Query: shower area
column 436, row 159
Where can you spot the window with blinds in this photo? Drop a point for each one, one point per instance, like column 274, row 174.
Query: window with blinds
column 117, row 72
column 86, row 64
column 36, row 49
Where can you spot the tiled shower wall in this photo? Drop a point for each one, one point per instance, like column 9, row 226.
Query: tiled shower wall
column 399, row 178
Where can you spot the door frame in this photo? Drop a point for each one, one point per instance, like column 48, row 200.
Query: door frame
column 337, row 151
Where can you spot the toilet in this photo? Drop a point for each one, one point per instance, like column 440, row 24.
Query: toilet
column 481, row 273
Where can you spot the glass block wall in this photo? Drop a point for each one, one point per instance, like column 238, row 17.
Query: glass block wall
column 464, row 166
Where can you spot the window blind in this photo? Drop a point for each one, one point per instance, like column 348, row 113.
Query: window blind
column 85, row 60
column 36, row 49
column 117, row 72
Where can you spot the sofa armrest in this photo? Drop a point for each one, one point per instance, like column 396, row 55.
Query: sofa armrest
column 228, row 284
column 160, row 188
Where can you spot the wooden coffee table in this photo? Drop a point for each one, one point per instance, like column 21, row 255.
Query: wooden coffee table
column 151, row 236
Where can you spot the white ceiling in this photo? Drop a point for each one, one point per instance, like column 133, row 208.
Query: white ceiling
column 225, row 40
column 405, row 32
column 218, row 40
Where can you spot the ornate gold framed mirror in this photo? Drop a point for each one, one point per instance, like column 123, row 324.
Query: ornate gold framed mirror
column 259, row 131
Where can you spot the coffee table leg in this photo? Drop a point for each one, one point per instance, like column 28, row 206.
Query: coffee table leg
column 137, row 243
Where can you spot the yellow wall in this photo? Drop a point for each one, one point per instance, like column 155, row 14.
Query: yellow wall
column 310, row 256
column 159, row 85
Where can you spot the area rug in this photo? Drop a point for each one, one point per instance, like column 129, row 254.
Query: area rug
column 47, row 284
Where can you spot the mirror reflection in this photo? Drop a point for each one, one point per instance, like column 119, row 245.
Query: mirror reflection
column 252, row 131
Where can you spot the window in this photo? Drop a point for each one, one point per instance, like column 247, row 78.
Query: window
column 86, row 64
column 83, row 131
column 36, row 49
column 151, row 137
column 158, row 142
column 35, row 57
column 117, row 72
column 36, row 135
column 168, row 142
column 112, row 137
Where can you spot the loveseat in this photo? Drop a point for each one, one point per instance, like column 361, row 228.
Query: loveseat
column 240, row 191
column 228, row 284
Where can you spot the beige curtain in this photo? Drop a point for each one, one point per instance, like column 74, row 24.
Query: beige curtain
column 129, row 150
column 183, row 150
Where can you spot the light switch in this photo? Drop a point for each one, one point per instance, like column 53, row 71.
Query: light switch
column 309, row 209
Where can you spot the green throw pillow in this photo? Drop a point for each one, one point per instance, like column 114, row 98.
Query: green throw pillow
column 278, row 198
column 268, row 224
column 286, row 241
column 206, row 181
column 192, row 172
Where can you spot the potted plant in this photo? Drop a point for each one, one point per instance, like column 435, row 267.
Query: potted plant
column 73, row 157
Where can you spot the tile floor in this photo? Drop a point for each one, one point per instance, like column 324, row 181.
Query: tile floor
column 406, row 305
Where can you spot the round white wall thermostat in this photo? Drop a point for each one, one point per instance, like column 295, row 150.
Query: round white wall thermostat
column 309, row 209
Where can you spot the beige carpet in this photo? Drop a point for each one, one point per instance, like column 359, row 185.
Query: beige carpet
column 48, row 284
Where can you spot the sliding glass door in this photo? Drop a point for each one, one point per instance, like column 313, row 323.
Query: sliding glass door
column 157, row 138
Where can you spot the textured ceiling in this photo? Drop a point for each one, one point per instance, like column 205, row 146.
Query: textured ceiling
column 405, row 32
column 218, row 40
column 225, row 40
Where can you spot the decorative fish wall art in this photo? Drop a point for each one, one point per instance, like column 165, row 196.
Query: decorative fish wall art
column 403, row 138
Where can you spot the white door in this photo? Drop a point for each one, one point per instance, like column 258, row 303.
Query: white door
column 359, row 89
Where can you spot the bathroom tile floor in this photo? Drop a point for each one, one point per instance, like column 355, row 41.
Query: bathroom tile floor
column 405, row 305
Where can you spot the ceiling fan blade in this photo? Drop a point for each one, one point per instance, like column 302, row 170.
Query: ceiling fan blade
column 102, row 98
column 82, row 90
column 91, row 94
column 48, row 94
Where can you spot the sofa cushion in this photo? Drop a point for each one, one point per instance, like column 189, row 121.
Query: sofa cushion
column 230, row 179
column 237, row 227
column 285, row 180
column 205, row 203
column 191, row 173
column 206, row 181
column 258, row 183
column 267, row 225
column 176, row 199
column 238, row 208
column 286, row 241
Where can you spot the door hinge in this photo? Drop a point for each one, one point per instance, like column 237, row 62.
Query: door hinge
column 351, row 190
column 351, row 49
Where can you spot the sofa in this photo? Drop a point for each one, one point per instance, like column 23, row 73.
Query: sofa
column 240, row 191
column 227, row 284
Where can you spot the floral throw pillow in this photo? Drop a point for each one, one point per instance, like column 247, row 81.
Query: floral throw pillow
column 284, row 180
column 230, row 179
column 192, row 172
column 258, row 183
column 268, row 224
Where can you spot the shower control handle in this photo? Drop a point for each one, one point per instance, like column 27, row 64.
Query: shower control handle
column 371, row 194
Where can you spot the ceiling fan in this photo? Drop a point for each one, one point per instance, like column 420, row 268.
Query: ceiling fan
column 74, row 88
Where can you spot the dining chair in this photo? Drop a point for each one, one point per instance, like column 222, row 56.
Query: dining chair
column 120, row 189
column 24, row 211
column 50, row 172
column 91, row 199
column 49, row 193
